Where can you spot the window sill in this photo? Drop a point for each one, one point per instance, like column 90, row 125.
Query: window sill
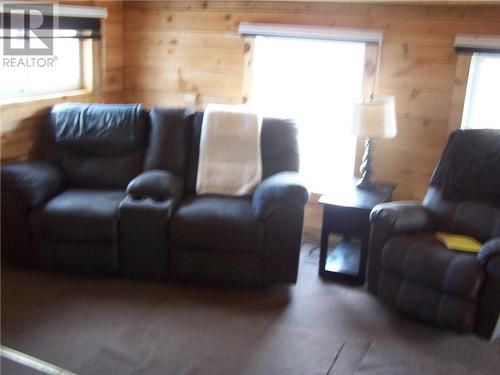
column 38, row 98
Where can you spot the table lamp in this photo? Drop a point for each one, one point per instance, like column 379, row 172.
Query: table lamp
column 373, row 117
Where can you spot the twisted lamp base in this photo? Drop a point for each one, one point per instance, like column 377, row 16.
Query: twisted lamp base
column 366, row 181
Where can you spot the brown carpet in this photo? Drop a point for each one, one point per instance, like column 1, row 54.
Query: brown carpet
column 120, row 326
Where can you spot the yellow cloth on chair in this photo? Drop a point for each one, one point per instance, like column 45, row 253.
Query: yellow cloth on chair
column 458, row 242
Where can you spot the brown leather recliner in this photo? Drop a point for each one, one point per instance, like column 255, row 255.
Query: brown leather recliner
column 414, row 272
column 60, row 210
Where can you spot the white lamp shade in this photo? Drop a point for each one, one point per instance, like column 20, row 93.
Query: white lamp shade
column 374, row 117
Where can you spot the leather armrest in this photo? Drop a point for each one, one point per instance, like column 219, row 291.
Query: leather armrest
column 280, row 190
column 388, row 219
column 34, row 182
column 488, row 250
column 156, row 184
column 401, row 217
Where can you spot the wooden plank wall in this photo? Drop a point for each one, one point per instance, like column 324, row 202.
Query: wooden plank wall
column 112, row 31
column 179, row 50
column 18, row 121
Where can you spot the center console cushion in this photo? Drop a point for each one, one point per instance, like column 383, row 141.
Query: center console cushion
column 425, row 260
column 168, row 141
column 78, row 215
column 213, row 223
column 89, row 141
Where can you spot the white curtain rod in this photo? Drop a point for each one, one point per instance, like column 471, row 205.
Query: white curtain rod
column 76, row 11
column 310, row 32
column 477, row 42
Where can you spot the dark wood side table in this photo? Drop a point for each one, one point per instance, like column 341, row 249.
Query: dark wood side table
column 346, row 213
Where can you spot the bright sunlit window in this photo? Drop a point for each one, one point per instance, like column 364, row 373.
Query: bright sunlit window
column 26, row 76
column 481, row 108
column 314, row 82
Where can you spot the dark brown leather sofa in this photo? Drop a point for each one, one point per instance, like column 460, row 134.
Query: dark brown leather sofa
column 412, row 271
column 113, row 192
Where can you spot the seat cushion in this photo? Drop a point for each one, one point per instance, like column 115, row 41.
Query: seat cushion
column 424, row 260
column 79, row 216
column 77, row 257
column 213, row 223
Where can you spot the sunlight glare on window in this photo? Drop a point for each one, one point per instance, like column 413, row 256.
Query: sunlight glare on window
column 314, row 82
column 40, row 79
column 481, row 109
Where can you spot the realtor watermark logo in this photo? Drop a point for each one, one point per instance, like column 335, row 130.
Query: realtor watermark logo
column 28, row 35
column 28, row 29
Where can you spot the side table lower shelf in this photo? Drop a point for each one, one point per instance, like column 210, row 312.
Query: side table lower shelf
column 343, row 261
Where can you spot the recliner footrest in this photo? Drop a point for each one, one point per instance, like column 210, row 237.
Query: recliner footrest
column 422, row 302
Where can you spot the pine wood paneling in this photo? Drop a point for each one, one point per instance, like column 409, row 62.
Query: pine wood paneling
column 403, row 74
column 184, row 80
column 176, row 99
column 164, row 39
column 113, row 56
column 112, row 43
column 394, row 51
column 215, row 60
column 113, row 83
column 419, row 103
column 459, row 91
column 248, row 49
column 421, row 132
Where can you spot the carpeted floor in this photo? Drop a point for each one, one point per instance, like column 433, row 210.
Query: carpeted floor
column 120, row 326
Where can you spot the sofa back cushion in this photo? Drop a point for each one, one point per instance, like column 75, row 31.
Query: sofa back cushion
column 279, row 148
column 96, row 145
column 168, row 140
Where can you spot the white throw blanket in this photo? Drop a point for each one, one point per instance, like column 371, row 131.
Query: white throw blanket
column 230, row 160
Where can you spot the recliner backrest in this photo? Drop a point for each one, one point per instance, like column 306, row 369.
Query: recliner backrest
column 96, row 145
column 279, row 148
column 464, row 192
column 479, row 219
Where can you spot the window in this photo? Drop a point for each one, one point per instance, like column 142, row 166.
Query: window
column 481, row 109
column 315, row 82
column 26, row 76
